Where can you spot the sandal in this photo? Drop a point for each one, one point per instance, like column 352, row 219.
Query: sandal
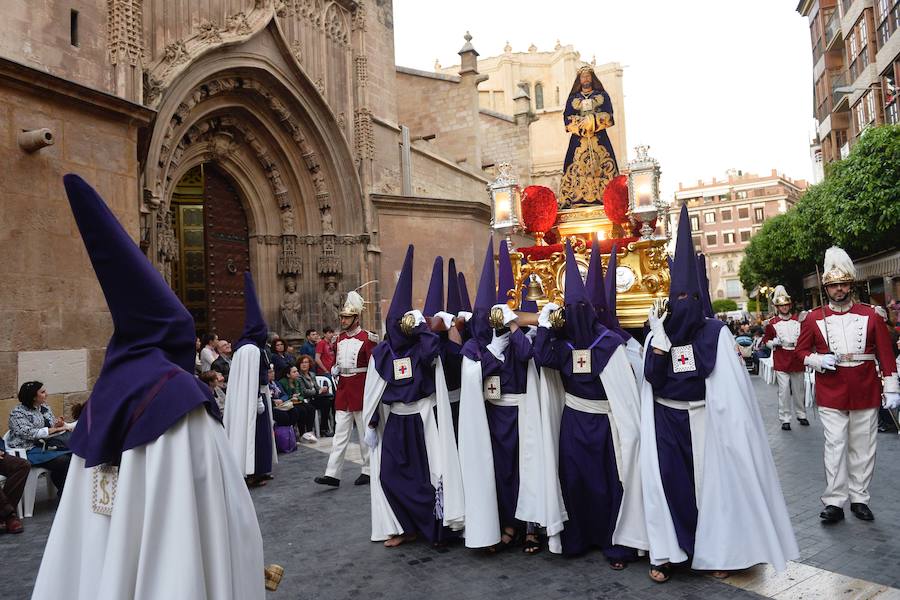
column 617, row 565
column 720, row 574
column 503, row 545
column 532, row 545
column 665, row 571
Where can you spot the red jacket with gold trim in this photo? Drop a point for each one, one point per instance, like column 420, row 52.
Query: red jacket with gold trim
column 351, row 360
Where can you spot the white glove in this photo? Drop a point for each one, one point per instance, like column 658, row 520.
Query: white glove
column 508, row 315
column 420, row 318
column 544, row 316
column 821, row 362
column 892, row 400
column 498, row 345
column 446, row 317
column 829, row 362
column 464, row 315
column 660, row 340
column 775, row 341
column 371, row 437
column 335, row 370
column 260, row 406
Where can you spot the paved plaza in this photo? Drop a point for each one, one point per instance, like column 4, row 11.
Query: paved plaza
column 321, row 537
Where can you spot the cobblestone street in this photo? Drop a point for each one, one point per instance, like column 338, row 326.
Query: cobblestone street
column 321, row 537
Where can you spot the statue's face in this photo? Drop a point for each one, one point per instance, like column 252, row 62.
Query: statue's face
column 291, row 285
column 331, row 287
column 585, row 78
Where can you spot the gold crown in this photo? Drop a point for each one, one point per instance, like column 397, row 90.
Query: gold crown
column 585, row 68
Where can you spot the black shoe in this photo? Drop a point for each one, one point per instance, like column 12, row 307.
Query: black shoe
column 326, row 480
column 785, row 426
column 327, row 434
column 803, row 422
column 832, row 514
column 362, row 480
column 861, row 511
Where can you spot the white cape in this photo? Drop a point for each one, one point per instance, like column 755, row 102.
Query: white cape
column 240, row 407
column 183, row 526
column 742, row 520
column 619, row 384
column 440, row 445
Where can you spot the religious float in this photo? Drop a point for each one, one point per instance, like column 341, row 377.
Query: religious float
column 621, row 207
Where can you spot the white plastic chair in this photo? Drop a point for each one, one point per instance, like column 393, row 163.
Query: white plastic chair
column 26, row 504
column 323, row 381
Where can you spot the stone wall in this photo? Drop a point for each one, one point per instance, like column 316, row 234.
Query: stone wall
column 55, row 323
column 506, row 140
column 436, row 227
column 444, row 106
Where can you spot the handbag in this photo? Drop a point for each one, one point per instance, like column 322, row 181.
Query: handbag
column 57, row 442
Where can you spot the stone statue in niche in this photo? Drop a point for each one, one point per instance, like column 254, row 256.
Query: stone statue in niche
column 290, row 307
column 327, row 224
column 331, row 303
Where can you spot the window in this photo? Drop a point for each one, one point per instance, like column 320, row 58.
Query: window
column 712, row 239
column 741, row 195
column 859, row 114
column 695, row 222
column 728, row 237
column 709, row 217
column 870, row 106
column 743, row 213
column 695, row 239
column 538, row 96
column 759, row 214
column 745, row 236
column 73, row 27
column 733, row 288
column 726, row 214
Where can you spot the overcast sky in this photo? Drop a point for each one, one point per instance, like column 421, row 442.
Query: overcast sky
column 709, row 84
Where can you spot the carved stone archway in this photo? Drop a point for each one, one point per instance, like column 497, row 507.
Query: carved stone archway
column 268, row 128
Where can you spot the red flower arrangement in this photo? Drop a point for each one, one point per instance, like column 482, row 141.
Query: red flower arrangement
column 538, row 208
column 615, row 199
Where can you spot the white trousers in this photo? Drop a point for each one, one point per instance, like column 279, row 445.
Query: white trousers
column 791, row 395
column 849, row 454
column 343, row 427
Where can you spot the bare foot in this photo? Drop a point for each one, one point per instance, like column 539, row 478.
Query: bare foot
column 396, row 540
column 660, row 573
column 720, row 574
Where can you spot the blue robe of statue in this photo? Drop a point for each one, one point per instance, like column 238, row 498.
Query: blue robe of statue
column 590, row 161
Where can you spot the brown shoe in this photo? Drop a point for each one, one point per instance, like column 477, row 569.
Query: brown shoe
column 13, row 524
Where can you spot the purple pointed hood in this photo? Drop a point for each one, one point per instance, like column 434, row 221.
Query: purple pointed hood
column 485, row 298
column 610, row 285
column 434, row 299
column 704, row 286
column 596, row 285
column 465, row 300
column 505, row 280
column 146, row 383
column 582, row 325
column 685, row 306
column 401, row 303
column 454, row 305
column 255, row 328
column 529, row 306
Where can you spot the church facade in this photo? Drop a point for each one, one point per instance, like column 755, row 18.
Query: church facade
column 233, row 135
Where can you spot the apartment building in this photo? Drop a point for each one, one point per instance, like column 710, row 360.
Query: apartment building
column 856, row 63
column 726, row 213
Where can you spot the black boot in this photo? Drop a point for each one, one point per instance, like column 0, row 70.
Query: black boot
column 363, row 479
column 785, row 426
column 803, row 422
column 861, row 511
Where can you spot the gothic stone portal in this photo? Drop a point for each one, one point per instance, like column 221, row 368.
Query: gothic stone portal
column 213, row 250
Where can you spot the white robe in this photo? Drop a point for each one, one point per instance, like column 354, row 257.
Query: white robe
column 440, row 445
column 183, row 526
column 622, row 393
column 742, row 518
column 240, row 407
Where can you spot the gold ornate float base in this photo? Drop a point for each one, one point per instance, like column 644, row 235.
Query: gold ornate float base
column 642, row 272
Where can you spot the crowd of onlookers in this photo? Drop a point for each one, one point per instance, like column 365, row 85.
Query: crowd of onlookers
column 300, row 381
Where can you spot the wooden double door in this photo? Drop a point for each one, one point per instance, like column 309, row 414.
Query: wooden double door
column 214, row 250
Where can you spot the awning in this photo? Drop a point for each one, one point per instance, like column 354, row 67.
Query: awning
column 883, row 264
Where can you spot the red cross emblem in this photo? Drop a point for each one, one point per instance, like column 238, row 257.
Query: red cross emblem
column 683, row 359
column 581, row 362
column 402, row 369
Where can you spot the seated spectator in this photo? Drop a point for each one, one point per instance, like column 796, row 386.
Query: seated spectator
column 306, row 412
column 31, row 425
column 15, row 470
column 325, row 353
column 318, row 395
column 215, row 381
column 223, row 363
column 197, row 364
column 208, row 353
column 291, row 353
column 309, row 346
column 280, row 359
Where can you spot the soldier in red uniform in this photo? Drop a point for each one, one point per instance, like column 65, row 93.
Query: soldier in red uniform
column 847, row 343
column 354, row 347
column 781, row 335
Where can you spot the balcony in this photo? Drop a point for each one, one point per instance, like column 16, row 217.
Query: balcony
column 845, row 6
column 817, row 50
column 839, row 92
column 833, row 31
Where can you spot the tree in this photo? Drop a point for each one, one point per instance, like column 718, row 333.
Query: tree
column 724, row 305
column 856, row 207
